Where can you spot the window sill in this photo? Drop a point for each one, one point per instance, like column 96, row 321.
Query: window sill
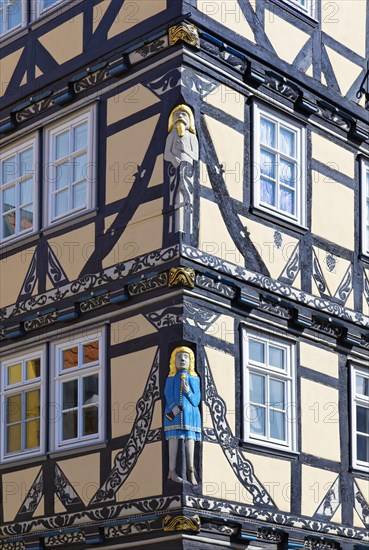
column 13, row 35
column 51, row 13
column 21, row 461
column 364, row 257
column 310, row 20
column 275, row 219
column 81, row 448
column 360, row 471
column 18, row 242
column 70, row 221
column 261, row 448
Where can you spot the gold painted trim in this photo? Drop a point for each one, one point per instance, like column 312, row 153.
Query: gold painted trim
column 184, row 276
column 186, row 33
column 182, row 523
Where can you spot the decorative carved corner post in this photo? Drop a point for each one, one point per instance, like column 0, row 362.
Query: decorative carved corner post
column 182, row 418
column 181, row 152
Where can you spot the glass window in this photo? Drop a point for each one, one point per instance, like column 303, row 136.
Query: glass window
column 18, row 190
column 306, row 6
column 279, row 174
column 360, row 417
column 70, row 170
column 12, row 15
column 269, row 395
column 78, row 389
column 22, row 406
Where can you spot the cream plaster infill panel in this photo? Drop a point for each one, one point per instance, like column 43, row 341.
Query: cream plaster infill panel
column 14, row 489
column 334, row 277
column 129, row 102
column 327, row 152
column 83, row 474
column 218, row 479
column 125, row 152
column 223, row 328
column 229, row 14
column 332, row 211
column 286, row 39
column 345, row 21
column 13, row 271
column 346, row 72
column 99, row 12
column 7, row 68
column 318, row 359
column 129, row 374
column 315, row 484
column 214, row 237
column 130, row 328
column 262, row 238
column 319, row 420
column 229, row 147
column 227, row 100
column 223, row 371
column 65, row 41
column 134, row 12
column 275, row 475
column 73, row 249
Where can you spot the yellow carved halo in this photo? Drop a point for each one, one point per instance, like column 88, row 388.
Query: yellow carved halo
column 172, row 362
column 189, row 112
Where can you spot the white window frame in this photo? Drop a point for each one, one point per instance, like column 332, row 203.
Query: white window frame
column 21, row 387
column 288, row 376
column 89, row 116
column 364, row 177
column 15, row 149
column 38, row 9
column 23, row 22
column 295, row 126
column 310, row 8
column 58, row 377
column 363, row 401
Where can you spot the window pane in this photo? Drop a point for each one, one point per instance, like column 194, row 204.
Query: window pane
column 80, row 137
column 14, row 438
column 62, row 175
column 257, row 420
column 14, row 14
column 9, row 199
column 276, row 357
column 26, row 191
column 257, row 351
column 14, row 408
column 2, row 30
column 33, row 368
column 287, row 173
column 277, row 425
column 90, row 420
column 61, row 203
column 48, row 3
column 91, row 389
column 287, row 142
column 69, row 425
column 70, row 394
column 15, row 373
column 9, row 224
column 62, row 145
column 287, row 200
column 33, row 434
column 80, row 168
column 33, row 404
column 362, row 385
column 26, row 162
column 362, row 419
column 363, row 448
column 26, row 218
column 91, row 352
column 267, row 132
column 10, row 171
column 267, row 164
column 70, row 357
column 267, row 192
column 276, row 393
column 79, row 195
column 257, row 389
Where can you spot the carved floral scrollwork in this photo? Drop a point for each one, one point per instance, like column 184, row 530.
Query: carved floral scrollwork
column 182, row 523
column 64, row 539
column 186, row 32
column 183, row 276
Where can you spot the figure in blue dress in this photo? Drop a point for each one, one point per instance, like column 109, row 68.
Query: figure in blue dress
column 182, row 415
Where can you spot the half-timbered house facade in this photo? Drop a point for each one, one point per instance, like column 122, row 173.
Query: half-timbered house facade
column 184, row 274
